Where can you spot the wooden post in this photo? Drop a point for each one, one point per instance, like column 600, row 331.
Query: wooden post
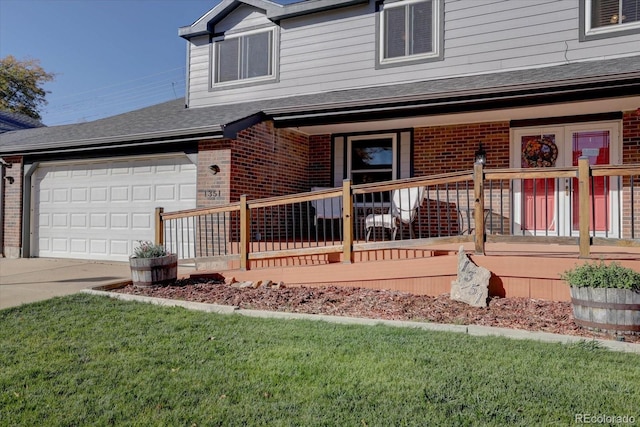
column 245, row 233
column 159, row 237
column 478, row 208
column 347, row 222
column 584, row 172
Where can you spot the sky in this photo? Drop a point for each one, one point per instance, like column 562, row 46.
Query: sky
column 108, row 56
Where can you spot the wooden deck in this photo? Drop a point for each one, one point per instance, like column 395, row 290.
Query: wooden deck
column 276, row 238
column 518, row 270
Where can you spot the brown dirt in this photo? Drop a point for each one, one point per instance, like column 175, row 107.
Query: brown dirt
column 516, row 313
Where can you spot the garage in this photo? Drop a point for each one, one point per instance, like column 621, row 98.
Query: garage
column 99, row 210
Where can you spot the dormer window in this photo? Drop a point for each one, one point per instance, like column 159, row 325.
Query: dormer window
column 608, row 18
column 409, row 31
column 245, row 57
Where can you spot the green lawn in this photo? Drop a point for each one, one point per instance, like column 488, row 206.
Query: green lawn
column 87, row 360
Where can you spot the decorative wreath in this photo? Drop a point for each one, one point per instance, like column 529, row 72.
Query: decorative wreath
column 540, row 152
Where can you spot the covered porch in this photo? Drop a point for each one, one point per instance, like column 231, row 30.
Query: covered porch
column 526, row 226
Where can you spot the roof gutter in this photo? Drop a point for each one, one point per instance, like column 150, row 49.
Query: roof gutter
column 132, row 140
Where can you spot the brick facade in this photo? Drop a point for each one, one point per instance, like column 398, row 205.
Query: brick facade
column 441, row 149
column 631, row 154
column 12, row 207
column 320, row 161
column 214, row 189
column 631, row 137
column 267, row 162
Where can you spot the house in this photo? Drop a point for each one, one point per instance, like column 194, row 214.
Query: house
column 282, row 98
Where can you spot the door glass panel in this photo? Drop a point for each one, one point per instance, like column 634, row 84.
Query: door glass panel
column 595, row 146
column 372, row 161
column 538, row 200
column 372, row 154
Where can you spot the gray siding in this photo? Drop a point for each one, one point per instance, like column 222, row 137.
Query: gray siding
column 335, row 50
column 242, row 18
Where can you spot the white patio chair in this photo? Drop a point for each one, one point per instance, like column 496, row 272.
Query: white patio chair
column 404, row 206
column 330, row 208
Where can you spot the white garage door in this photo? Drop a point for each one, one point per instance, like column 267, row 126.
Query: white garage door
column 99, row 210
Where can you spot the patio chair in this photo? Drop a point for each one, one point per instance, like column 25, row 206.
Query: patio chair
column 326, row 209
column 404, row 206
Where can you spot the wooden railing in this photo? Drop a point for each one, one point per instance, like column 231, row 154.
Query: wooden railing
column 501, row 205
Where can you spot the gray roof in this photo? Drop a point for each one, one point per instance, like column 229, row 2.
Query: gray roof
column 171, row 121
column 498, row 83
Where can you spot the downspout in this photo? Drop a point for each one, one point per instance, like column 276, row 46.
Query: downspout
column 3, row 165
column 27, row 186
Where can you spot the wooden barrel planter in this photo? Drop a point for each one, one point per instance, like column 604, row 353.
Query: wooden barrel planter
column 607, row 309
column 149, row 272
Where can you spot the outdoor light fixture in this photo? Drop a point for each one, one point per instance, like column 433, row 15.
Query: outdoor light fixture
column 214, row 169
column 481, row 155
column 9, row 179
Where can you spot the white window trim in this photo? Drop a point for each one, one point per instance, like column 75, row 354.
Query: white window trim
column 611, row 29
column 274, row 58
column 394, row 145
column 435, row 33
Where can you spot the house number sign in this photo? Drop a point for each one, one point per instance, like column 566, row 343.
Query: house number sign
column 212, row 194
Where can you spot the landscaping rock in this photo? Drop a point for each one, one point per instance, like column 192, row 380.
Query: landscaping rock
column 242, row 285
column 265, row 283
column 214, row 277
column 472, row 284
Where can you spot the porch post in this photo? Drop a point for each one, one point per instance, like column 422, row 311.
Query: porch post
column 584, row 172
column 478, row 208
column 245, row 230
column 347, row 222
column 159, row 227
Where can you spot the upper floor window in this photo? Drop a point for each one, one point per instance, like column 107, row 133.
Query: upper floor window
column 409, row 31
column 603, row 18
column 244, row 57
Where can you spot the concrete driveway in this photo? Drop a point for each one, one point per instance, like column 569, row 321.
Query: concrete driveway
column 26, row 280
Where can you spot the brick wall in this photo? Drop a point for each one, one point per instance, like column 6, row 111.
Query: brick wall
column 442, row 149
column 269, row 162
column 320, row 161
column 214, row 189
column 13, row 208
column 631, row 154
column 631, row 137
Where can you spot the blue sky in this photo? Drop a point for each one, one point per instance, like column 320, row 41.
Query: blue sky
column 109, row 56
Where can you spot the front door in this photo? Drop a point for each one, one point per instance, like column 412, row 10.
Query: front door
column 549, row 206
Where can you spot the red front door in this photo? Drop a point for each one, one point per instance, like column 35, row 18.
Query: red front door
column 594, row 144
column 539, row 202
column 549, row 206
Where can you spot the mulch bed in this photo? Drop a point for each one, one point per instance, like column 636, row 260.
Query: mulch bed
column 516, row 313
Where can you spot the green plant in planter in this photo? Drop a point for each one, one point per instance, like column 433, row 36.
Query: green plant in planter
column 605, row 297
column 601, row 275
column 151, row 265
column 149, row 250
